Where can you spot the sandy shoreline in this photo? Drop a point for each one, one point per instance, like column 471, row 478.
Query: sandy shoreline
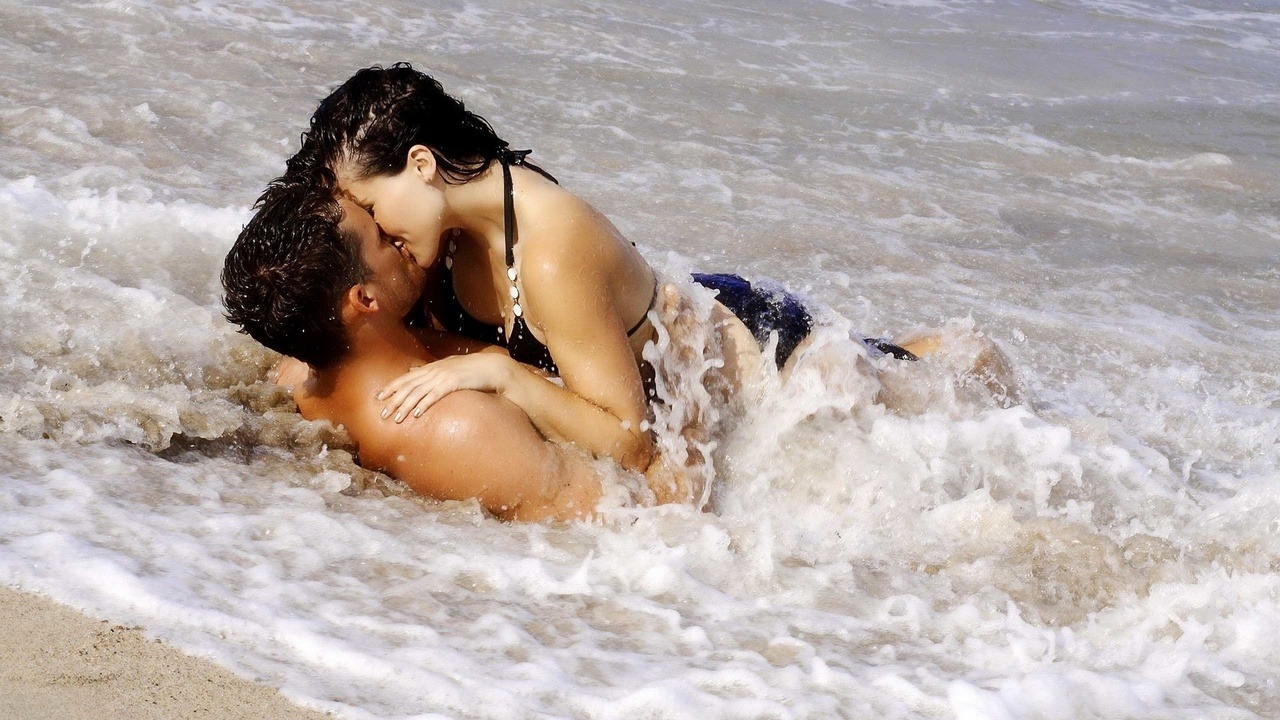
column 58, row 663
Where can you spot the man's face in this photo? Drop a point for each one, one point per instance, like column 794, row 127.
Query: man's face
column 395, row 279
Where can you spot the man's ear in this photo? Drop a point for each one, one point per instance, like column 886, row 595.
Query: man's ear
column 422, row 161
column 358, row 301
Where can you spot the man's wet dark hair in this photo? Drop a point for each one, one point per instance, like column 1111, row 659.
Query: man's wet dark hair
column 369, row 123
column 285, row 276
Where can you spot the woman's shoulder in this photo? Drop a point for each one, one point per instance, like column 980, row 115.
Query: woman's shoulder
column 566, row 233
column 550, row 205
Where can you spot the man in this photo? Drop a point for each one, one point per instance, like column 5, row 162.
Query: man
column 313, row 278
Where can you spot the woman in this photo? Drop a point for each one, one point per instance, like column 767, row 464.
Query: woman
column 526, row 264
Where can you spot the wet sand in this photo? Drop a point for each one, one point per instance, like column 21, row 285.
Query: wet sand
column 58, row 663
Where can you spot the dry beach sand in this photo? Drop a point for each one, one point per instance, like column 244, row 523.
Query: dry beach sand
column 57, row 663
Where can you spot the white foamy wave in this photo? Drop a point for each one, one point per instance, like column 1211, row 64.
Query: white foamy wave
column 123, row 234
column 113, row 330
column 1093, row 184
column 1251, row 30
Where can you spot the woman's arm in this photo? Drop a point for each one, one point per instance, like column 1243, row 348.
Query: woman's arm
column 602, row 405
column 568, row 285
column 565, row 290
column 559, row 413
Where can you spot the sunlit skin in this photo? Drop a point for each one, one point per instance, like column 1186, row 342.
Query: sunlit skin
column 581, row 284
column 469, row 444
column 581, row 287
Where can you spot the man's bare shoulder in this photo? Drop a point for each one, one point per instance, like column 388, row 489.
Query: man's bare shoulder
column 442, row 436
column 468, row 444
column 289, row 372
column 350, row 402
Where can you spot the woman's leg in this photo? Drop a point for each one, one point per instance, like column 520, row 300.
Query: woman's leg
column 980, row 359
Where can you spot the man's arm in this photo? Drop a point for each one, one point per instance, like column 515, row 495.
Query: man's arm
column 473, row 444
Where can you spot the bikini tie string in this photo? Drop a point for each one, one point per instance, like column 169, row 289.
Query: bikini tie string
column 507, row 156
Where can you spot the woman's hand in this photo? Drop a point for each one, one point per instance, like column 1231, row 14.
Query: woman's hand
column 415, row 391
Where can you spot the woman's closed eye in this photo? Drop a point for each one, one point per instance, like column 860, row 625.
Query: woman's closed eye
column 367, row 207
column 394, row 242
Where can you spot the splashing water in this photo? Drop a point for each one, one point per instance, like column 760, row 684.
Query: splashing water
column 1092, row 187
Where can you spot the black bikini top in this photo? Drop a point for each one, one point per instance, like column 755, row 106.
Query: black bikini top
column 522, row 345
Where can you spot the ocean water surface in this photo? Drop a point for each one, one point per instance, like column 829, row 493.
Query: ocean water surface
column 1092, row 184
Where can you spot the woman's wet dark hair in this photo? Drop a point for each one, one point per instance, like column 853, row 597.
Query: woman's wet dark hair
column 369, row 123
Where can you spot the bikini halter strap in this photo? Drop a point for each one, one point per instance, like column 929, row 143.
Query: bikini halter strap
column 508, row 215
column 508, row 157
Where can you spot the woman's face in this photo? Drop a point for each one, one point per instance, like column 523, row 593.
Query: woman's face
column 409, row 206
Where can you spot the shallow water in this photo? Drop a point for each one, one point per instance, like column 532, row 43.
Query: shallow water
column 1092, row 184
